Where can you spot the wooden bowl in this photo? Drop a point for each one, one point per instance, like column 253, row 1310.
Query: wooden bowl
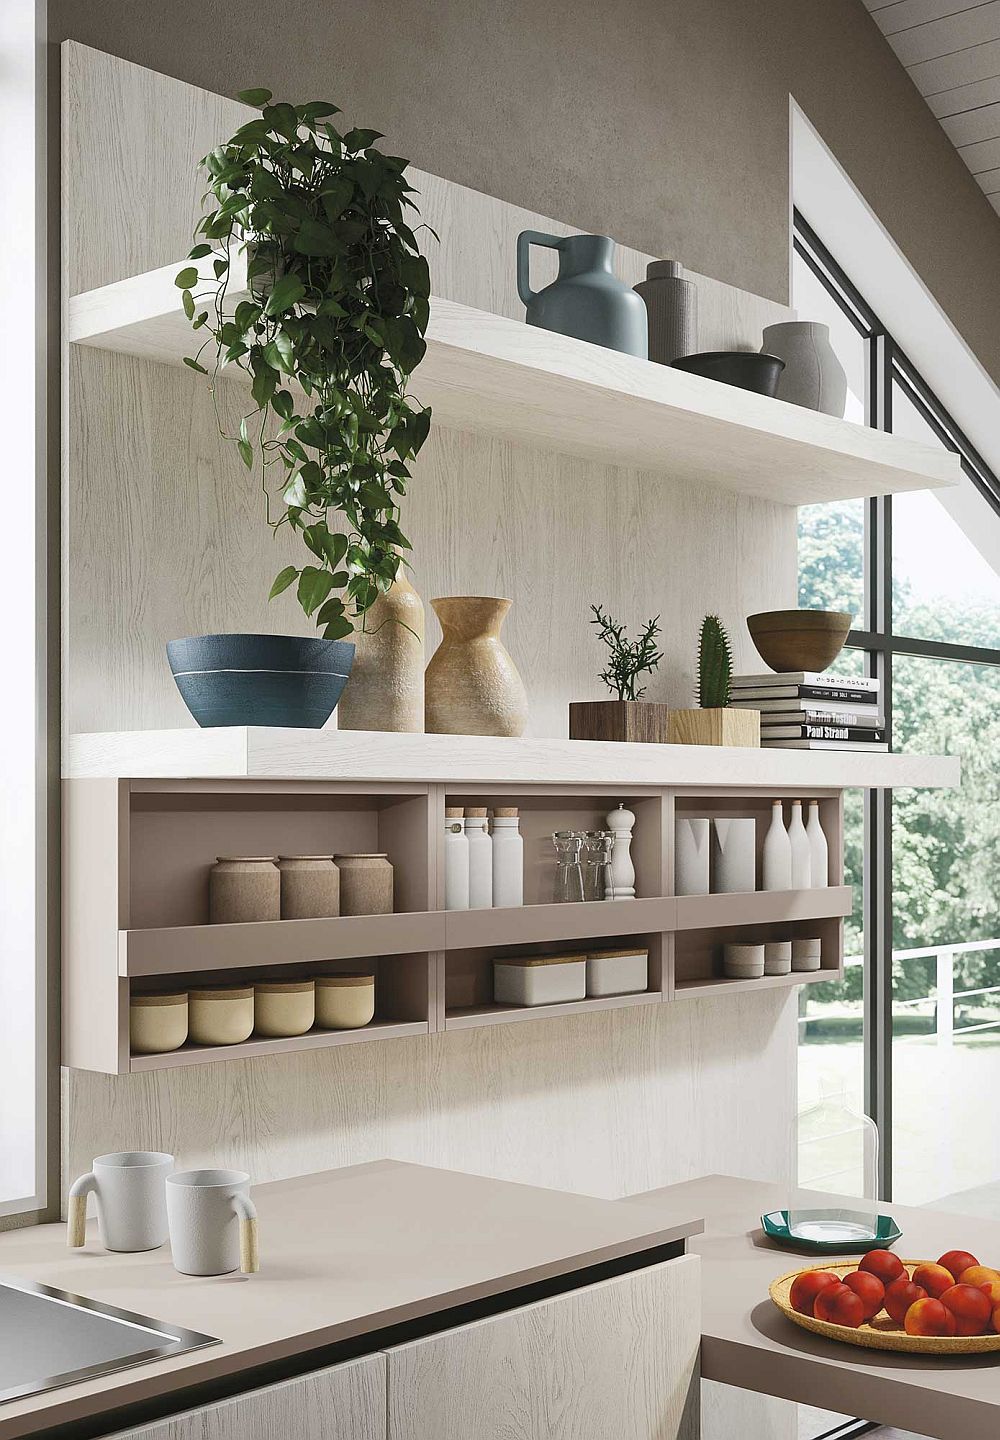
column 789, row 640
column 879, row 1333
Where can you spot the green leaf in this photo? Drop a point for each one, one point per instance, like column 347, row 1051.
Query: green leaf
column 294, row 494
column 282, row 580
column 256, row 98
column 199, row 252
column 314, row 586
column 244, row 446
column 280, row 353
column 338, row 628
column 194, row 365
column 187, row 300
column 286, row 292
column 314, row 238
column 360, row 139
column 186, row 278
column 283, row 404
column 263, row 386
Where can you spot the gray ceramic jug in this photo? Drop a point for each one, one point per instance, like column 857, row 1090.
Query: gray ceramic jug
column 586, row 299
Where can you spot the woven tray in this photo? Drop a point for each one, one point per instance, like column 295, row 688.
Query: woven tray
column 880, row 1333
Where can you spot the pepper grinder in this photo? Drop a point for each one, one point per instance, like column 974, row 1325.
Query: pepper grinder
column 620, row 823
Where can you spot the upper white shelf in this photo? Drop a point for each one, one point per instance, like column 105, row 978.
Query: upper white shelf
column 490, row 374
column 256, row 752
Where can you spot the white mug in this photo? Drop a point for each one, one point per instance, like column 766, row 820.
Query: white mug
column 131, row 1203
column 213, row 1223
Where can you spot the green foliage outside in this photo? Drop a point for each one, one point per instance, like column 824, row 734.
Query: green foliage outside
column 946, row 843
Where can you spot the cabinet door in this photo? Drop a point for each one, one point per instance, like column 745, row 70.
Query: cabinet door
column 345, row 1402
column 614, row 1361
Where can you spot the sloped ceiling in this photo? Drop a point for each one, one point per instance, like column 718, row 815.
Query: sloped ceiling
column 951, row 50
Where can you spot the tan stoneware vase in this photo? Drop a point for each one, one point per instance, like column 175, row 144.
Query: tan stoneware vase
column 366, row 884
column 386, row 688
column 310, row 887
column 473, row 687
column 243, row 889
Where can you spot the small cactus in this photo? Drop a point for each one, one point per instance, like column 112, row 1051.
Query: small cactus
column 715, row 665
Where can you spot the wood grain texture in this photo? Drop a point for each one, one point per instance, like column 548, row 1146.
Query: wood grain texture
column 714, row 727
column 347, row 1401
column 624, row 721
column 618, row 1361
column 626, row 1100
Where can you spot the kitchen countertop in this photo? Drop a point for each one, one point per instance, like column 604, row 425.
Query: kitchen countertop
column 746, row 1342
column 344, row 1254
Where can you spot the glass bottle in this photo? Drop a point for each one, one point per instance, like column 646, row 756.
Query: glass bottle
column 569, row 872
column 592, row 862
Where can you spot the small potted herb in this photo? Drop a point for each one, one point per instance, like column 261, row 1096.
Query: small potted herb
column 715, row 721
column 628, row 716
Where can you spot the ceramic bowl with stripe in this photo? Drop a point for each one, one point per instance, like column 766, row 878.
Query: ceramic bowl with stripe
column 283, row 680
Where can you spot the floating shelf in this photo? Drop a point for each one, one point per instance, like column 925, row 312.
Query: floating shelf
column 476, row 1015
column 534, row 924
column 313, row 1040
column 260, row 752
column 716, row 985
column 761, row 907
column 498, row 376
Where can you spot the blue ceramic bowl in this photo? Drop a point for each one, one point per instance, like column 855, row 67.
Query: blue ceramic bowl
column 285, row 680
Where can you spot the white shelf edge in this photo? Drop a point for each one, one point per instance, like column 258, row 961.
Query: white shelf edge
column 496, row 375
column 484, row 761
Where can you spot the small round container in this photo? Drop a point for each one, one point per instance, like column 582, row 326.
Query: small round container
column 806, row 954
column 157, row 1023
column 743, row 962
column 310, row 887
column 221, row 1016
column 345, row 1002
column 365, row 884
column 243, row 889
column 283, row 1007
column 777, row 957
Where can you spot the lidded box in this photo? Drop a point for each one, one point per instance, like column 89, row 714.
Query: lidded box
column 540, row 980
column 617, row 972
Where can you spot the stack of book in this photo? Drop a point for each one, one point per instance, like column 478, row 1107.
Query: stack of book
column 803, row 711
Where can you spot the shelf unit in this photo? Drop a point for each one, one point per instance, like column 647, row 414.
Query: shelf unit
column 139, row 844
column 497, row 376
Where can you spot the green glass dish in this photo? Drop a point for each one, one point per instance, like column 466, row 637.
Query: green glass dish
column 775, row 1226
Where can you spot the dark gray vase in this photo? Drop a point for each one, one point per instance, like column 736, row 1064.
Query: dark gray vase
column 672, row 306
column 285, row 680
column 586, row 299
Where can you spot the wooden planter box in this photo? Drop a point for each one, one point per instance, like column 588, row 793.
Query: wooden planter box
column 630, row 720
column 715, row 727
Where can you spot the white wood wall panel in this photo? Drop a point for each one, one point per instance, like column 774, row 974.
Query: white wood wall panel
column 617, row 1361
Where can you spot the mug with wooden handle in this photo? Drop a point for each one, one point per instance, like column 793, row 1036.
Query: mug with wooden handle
column 213, row 1222
column 131, row 1201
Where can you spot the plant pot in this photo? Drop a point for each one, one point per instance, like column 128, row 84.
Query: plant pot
column 472, row 684
column 728, row 726
column 284, row 680
column 636, row 721
column 387, row 682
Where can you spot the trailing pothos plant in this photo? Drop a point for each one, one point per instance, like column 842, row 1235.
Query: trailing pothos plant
column 330, row 331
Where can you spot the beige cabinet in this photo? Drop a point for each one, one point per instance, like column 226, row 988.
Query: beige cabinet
column 614, row 1361
column 345, row 1402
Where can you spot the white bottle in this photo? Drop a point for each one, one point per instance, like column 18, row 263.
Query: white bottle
column 620, row 823
column 819, row 851
column 508, row 857
column 777, row 859
column 480, row 859
column 801, row 853
column 456, row 860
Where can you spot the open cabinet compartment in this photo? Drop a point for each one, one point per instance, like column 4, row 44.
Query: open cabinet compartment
column 545, row 809
column 713, row 804
column 697, row 955
column 468, row 981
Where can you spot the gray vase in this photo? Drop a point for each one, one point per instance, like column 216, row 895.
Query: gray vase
column 586, row 299
column 813, row 376
column 672, row 306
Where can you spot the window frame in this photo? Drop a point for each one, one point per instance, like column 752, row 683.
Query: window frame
column 887, row 365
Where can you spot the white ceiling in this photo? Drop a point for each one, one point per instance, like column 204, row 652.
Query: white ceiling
column 951, row 50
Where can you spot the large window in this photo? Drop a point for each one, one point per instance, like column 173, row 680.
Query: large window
column 913, row 1030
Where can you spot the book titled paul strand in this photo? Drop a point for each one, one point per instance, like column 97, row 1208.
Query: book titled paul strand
column 800, row 710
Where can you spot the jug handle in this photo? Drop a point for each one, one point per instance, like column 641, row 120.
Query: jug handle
column 76, row 1219
column 249, row 1248
column 524, row 240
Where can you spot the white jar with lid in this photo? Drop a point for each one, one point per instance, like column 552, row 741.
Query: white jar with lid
column 456, row 859
column 508, row 857
column 480, row 858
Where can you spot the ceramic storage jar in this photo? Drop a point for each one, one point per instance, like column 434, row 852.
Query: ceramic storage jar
column 743, row 962
column 540, row 980
column 617, row 972
column 807, row 954
column 244, row 888
column 345, row 1002
column 310, row 887
column 283, row 1007
column 777, row 957
column 157, row 1023
column 365, row 884
column 222, row 1015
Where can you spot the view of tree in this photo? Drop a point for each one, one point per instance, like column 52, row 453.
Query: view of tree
column 946, row 843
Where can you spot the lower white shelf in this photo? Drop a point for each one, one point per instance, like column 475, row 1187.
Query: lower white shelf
column 475, row 1015
column 256, row 1045
column 721, row 984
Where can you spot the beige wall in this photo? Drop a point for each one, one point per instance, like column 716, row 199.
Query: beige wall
column 665, row 124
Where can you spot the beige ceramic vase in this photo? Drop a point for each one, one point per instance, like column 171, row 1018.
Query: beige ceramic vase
column 386, row 688
column 473, row 687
